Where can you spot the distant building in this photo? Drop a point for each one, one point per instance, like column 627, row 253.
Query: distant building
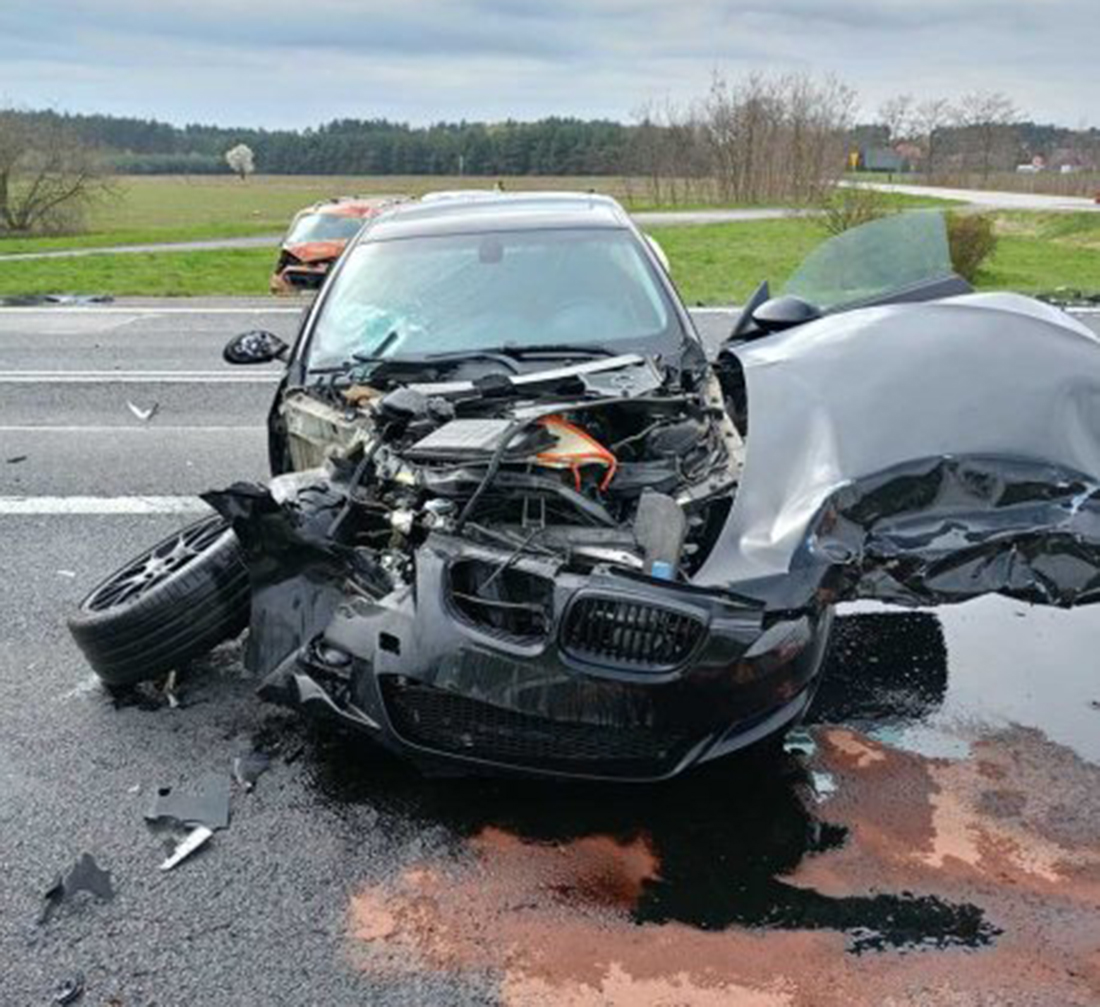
column 881, row 159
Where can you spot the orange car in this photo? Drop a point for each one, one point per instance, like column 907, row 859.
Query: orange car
column 317, row 236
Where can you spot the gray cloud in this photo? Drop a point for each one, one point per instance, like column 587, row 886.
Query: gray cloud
column 284, row 63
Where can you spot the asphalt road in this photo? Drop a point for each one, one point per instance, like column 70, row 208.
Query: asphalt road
column 989, row 198
column 949, row 790
column 653, row 218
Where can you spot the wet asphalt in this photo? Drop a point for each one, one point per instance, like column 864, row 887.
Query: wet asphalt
column 344, row 878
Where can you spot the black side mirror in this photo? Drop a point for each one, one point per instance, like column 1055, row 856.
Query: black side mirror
column 784, row 313
column 256, row 347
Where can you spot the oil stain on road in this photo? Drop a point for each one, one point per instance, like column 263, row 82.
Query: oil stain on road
column 964, row 872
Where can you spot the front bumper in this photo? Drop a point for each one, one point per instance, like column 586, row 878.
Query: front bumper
column 595, row 689
column 299, row 277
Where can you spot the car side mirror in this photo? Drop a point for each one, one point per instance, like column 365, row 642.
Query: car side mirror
column 256, row 347
column 785, row 312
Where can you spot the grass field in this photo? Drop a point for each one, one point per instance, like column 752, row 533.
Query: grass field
column 162, row 208
column 712, row 264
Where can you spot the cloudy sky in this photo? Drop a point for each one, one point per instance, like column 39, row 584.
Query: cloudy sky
column 282, row 63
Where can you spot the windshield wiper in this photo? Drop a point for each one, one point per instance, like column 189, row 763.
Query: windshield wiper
column 506, row 355
column 557, row 350
column 510, row 352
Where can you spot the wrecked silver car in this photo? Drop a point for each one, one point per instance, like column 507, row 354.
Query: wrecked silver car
column 520, row 522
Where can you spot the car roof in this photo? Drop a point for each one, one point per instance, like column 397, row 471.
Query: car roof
column 479, row 210
column 352, row 206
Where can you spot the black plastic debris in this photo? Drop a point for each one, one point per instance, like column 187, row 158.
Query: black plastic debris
column 84, row 876
column 16, row 459
column 202, row 810
column 248, row 768
column 205, row 804
column 69, row 990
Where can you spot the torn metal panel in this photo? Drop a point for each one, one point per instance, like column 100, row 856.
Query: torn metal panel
column 921, row 433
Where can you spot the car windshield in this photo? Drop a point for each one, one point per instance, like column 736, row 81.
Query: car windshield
column 867, row 262
column 465, row 292
column 324, row 227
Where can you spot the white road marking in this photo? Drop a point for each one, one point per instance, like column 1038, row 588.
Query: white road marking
column 137, row 377
column 121, row 310
column 23, row 505
column 152, row 428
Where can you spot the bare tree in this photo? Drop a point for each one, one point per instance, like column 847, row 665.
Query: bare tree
column 241, row 160
column 776, row 138
column 897, row 115
column 988, row 122
column 48, row 177
column 929, row 119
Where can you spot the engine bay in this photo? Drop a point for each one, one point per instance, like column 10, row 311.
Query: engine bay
column 564, row 473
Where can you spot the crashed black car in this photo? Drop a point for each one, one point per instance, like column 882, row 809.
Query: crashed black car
column 521, row 520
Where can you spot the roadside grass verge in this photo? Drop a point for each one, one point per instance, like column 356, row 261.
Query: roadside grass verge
column 232, row 271
column 165, row 208
column 712, row 264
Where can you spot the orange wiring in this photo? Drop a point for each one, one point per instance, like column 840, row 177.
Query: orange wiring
column 594, row 454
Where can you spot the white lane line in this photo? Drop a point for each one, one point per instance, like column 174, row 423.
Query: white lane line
column 152, row 428
column 103, row 505
column 137, row 377
column 121, row 310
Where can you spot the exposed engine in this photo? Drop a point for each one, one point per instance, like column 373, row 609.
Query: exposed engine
column 640, row 482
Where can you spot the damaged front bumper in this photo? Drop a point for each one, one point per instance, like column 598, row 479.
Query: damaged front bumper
column 300, row 276
column 614, row 678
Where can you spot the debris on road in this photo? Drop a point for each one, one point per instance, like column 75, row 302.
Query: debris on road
column 196, row 839
column 145, row 415
column 62, row 300
column 69, row 990
column 16, row 459
column 248, row 768
column 207, row 804
column 84, row 876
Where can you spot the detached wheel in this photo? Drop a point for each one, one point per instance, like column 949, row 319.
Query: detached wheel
column 169, row 605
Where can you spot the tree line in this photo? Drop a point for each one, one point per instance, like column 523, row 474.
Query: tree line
column 553, row 146
column 761, row 138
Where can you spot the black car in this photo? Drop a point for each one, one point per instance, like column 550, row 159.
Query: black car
column 522, row 520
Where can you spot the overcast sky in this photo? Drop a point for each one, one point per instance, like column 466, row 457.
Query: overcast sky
column 300, row 62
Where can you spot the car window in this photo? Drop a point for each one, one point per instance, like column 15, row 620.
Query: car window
column 413, row 296
column 867, row 262
column 324, row 227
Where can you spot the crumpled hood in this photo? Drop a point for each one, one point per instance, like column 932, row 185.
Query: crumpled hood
column 889, row 444
column 315, row 251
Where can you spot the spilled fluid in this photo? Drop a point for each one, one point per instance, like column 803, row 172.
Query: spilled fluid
column 718, row 843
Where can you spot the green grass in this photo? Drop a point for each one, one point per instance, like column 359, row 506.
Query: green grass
column 163, row 208
column 723, row 263
column 712, row 264
column 161, row 274
column 1038, row 252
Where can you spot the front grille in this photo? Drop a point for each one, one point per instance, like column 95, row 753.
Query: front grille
column 633, row 634
column 445, row 722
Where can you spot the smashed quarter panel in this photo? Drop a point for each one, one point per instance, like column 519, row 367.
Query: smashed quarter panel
column 919, row 454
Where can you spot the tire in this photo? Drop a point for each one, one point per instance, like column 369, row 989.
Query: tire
column 171, row 604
